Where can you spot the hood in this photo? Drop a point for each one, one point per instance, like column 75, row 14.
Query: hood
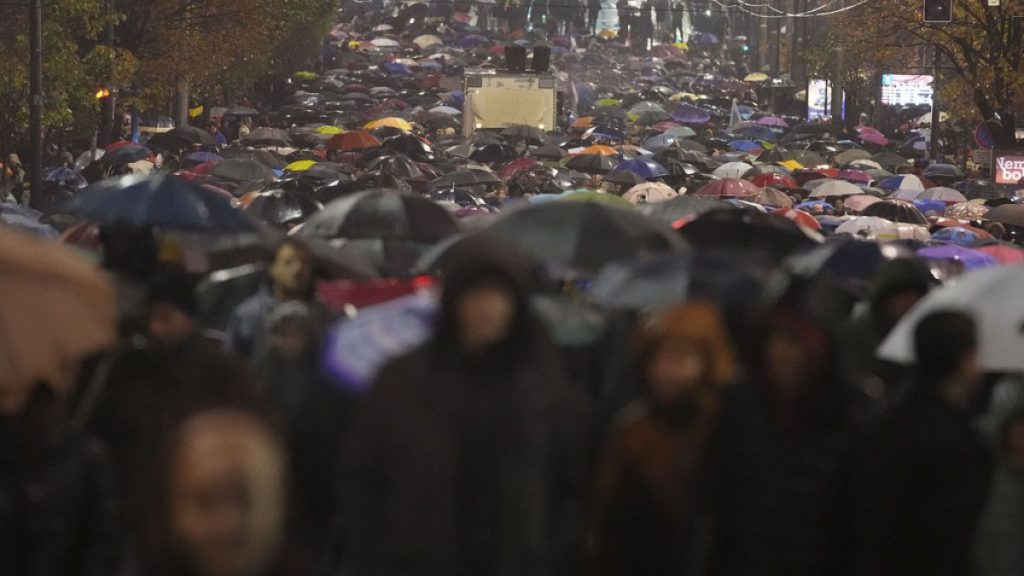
column 899, row 275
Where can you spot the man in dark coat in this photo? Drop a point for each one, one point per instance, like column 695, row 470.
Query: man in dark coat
column 927, row 471
column 467, row 454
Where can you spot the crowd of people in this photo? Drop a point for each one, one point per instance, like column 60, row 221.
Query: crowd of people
column 645, row 343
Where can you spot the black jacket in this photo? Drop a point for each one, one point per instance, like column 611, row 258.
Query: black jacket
column 925, row 482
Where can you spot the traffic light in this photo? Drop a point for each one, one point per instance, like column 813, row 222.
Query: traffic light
column 102, row 93
column 938, row 11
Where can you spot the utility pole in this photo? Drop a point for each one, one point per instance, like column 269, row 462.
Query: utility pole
column 35, row 105
column 934, row 146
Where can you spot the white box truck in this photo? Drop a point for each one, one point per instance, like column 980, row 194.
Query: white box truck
column 497, row 99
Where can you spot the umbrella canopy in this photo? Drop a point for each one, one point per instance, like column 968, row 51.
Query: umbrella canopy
column 64, row 177
column 850, row 156
column 644, row 166
column 389, row 122
column 267, row 137
column 835, row 188
column 799, row 216
column 355, row 140
column 860, row 202
column 944, row 194
column 989, row 296
column 980, row 189
column 471, row 178
column 427, row 40
column 896, row 211
column 728, row 188
column 647, row 284
column 583, row 236
column 690, row 114
column 775, row 180
column 773, row 197
column 523, row 132
column 734, row 170
column 649, row 192
column 881, row 230
column 969, row 259
column 242, row 170
column 125, row 155
column 961, row 236
column 682, row 208
column 746, row 231
column 57, row 309
column 382, row 215
column 282, row 209
column 966, row 211
column 591, row 163
column 1005, row 253
column 159, row 200
column 902, row 182
column 1012, row 214
column 181, row 137
column 625, row 177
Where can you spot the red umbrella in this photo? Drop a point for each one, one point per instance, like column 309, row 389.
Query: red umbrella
column 855, row 176
column 729, row 188
column 508, row 170
column 775, row 180
column 119, row 144
column 1004, row 253
column 799, row 216
column 355, row 140
column 662, row 126
column 497, row 49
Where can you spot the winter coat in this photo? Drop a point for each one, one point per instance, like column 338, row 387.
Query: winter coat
column 247, row 326
column 58, row 506
column 649, row 506
column 783, row 495
column 925, row 483
column 469, row 465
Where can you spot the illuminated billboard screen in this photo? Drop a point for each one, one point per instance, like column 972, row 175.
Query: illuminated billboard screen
column 819, row 99
column 907, row 89
column 1007, row 166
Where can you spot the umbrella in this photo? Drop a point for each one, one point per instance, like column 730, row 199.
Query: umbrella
column 411, row 146
column 775, row 180
column 649, row 192
column 889, row 160
column 643, row 166
column 125, row 155
column 523, row 132
column 755, row 77
column 1005, row 253
column 549, row 151
column 880, row 230
column 745, row 231
column 264, row 157
column 281, row 208
column 896, row 211
column 181, row 137
column 902, row 182
column 966, row 211
column 728, row 188
column 161, row 201
column 773, row 197
column 734, row 170
column 835, row 188
column 649, row 284
column 930, row 207
column 382, row 215
column 57, row 309
column 980, row 189
column 242, row 170
column 959, row 235
column 494, row 154
column 64, row 177
column 943, row 171
column 851, row 263
column 772, row 122
column 989, row 296
column 1011, row 214
column 757, row 132
column 267, row 137
column 583, row 235
column 466, row 179
column 799, row 216
column 969, row 259
column 681, row 208
column 427, row 40
column 591, row 163
column 389, row 122
column 944, row 194
column 600, row 149
column 356, row 140
column 858, row 176
column 300, row 165
column 859, row 202
column 203, row 157
column 625, row 177
column 690, row 114
column 851, row 156
column 745, row 146
column 508, row 170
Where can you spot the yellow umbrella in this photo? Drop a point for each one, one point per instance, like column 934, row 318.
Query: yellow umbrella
column 756, row 77
column 600, row 149
column 583, row 123
column 606, row 33
column 791, row 165
column 329, row 130
column 390, row 122
column 300, row 166
column 684, row 96
column 682, row 46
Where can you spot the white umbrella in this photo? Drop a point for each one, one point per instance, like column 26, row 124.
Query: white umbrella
column 907, row 194
column 911, row 182
column 992, row 297
column 944, row 194
column 427, row 40
column 863, row 164
column 384, row 43
column 860, row 202
column 649, row 193
column 732, row 170
column 881, row 230
column 835, row 189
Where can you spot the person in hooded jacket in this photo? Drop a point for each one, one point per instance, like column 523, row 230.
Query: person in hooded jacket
column 468, row 454
column 648, row 512
column 784, row 456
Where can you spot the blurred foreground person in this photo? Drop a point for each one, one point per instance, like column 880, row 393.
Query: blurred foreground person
column 1000, row 538
column 150, row 388
column 648, row 509
column 785, row 453
column 467, row 454
column 58, row 506
column 219, row 507
column 927, row 471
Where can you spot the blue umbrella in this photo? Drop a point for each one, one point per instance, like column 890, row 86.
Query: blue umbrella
column 927, row 205
column 159, row 200
column 603, row 131
column 704, row 38
column 473, row 40
column 645, row 284
column 745, row 111
column 202, row 157
column 659, row 141
column 757, row 132
column 27, row 219
column 970, row 259
column 690, row 114
column 643, row 166
column 958, row 235
column 64, row 177
column 744, row 145
column 396, row 68
column 814, row 205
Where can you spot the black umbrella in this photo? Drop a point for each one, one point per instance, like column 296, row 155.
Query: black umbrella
column 471, row 178
column 372, row 180
column 624, row 177
column 523, row 132
column 242, row 170
column 125, row 155
column 324, row 174
column 651, row 118
column 682, row 207
column 399, row 167
column 678, row 168
column 549, row 152
column 484, row 138
column 591, row 163
column 380, row 215
column 896, row 211
column 282, row 209
column 242, row 111
column 494, row 154
column 264, row 157
column 181, row 137
column 889, row 160
column 749, row 232
column 267, row 137
column 583, row 235
column 980, row 189
column 691, row 145
column 1011, row 214
column 411, row 146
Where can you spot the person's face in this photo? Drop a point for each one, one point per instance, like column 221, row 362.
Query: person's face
column 213, row 128
column 485, row 316
column 225, row 504
column 675, row 371
column 785, row 362
column 897, row 305
column 168, row 325
column 292, row 270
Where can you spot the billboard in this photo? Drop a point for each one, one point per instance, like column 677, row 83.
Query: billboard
column 1007, row 165
column 907, row 89
column 819, row 99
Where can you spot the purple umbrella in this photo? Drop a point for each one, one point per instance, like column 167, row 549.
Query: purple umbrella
column 690, row 114
column 773, row 122
column 970, row 259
